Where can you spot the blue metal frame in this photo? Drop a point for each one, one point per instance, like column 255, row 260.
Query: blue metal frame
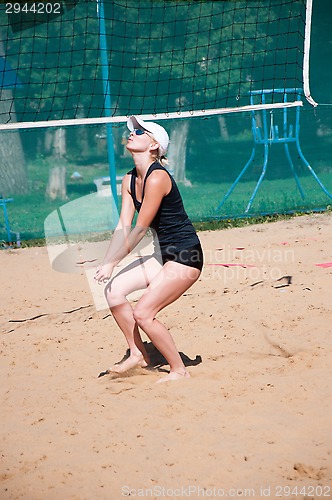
column 3, row 202
column 266, row 136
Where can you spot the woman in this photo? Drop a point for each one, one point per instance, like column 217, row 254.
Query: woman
column 152, row 192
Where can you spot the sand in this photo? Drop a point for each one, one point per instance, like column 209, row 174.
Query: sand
column 254, row 420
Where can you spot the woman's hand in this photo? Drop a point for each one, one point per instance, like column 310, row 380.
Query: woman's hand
column 103, row 273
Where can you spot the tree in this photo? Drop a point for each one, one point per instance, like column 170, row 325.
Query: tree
column 178, row 151
column 13, row 174
column 185, row 56
column 56, row 61
column 56, row 187
column 166, row 56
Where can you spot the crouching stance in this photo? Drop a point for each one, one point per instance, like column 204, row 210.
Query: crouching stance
column 151, row 191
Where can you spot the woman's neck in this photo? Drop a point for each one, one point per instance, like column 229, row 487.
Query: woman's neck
column 142, row 163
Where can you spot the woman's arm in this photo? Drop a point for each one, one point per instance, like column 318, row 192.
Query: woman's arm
column 118, row 239
column 125, row 239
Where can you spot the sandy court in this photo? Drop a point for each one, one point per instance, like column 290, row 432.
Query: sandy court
column 253, row 420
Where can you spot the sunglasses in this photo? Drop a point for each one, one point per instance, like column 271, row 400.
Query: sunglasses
column 139, row 131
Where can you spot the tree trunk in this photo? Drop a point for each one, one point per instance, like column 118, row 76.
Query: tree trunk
column 57, row 184
column 223, row 128
column 59, row 143
column 177, row 152
column 82, row 137
column 13, row 174
column 57, row 187
column 55, row 142
column 48, row 141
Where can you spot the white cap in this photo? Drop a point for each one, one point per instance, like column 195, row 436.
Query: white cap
column 158, row 132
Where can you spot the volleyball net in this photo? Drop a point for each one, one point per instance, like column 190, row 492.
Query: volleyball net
column 87, row 60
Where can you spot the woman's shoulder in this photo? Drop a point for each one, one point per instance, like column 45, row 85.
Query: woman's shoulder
column 156, row 165
column 156, row 169
column 157, row 173
column 158, row 179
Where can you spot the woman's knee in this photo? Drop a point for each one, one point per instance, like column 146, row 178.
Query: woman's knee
column 114, row 296
column 142, row 316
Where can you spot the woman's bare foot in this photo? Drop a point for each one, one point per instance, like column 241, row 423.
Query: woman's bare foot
column 134, row 360
column 174, row 376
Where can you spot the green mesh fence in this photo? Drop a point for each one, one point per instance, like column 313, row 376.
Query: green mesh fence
column 213, row 150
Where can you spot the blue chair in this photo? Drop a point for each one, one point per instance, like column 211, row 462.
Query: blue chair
column 265, row 133
column 3, row 202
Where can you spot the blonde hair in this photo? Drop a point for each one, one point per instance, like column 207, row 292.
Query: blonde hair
column 162, row 160
column 158, row 155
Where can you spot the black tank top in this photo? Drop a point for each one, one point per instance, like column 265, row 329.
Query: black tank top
column 171, row 223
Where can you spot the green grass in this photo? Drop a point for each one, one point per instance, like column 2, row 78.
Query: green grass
column 276, row 196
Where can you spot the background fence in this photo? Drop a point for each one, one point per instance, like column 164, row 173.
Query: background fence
column 216, row 148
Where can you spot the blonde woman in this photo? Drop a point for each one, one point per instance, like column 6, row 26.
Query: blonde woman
column 150, row 190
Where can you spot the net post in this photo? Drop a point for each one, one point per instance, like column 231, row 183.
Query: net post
column 107, row 95
column 306, row 57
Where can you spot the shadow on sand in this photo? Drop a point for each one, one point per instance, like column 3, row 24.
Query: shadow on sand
column 157, row 359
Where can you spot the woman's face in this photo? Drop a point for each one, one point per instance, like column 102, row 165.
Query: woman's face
column 139, row 141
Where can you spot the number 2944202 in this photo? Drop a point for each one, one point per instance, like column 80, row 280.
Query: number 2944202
column 34, row 7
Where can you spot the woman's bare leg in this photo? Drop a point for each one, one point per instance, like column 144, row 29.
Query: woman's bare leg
column 123, row 315
column 171, row 282
column 136, row 277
